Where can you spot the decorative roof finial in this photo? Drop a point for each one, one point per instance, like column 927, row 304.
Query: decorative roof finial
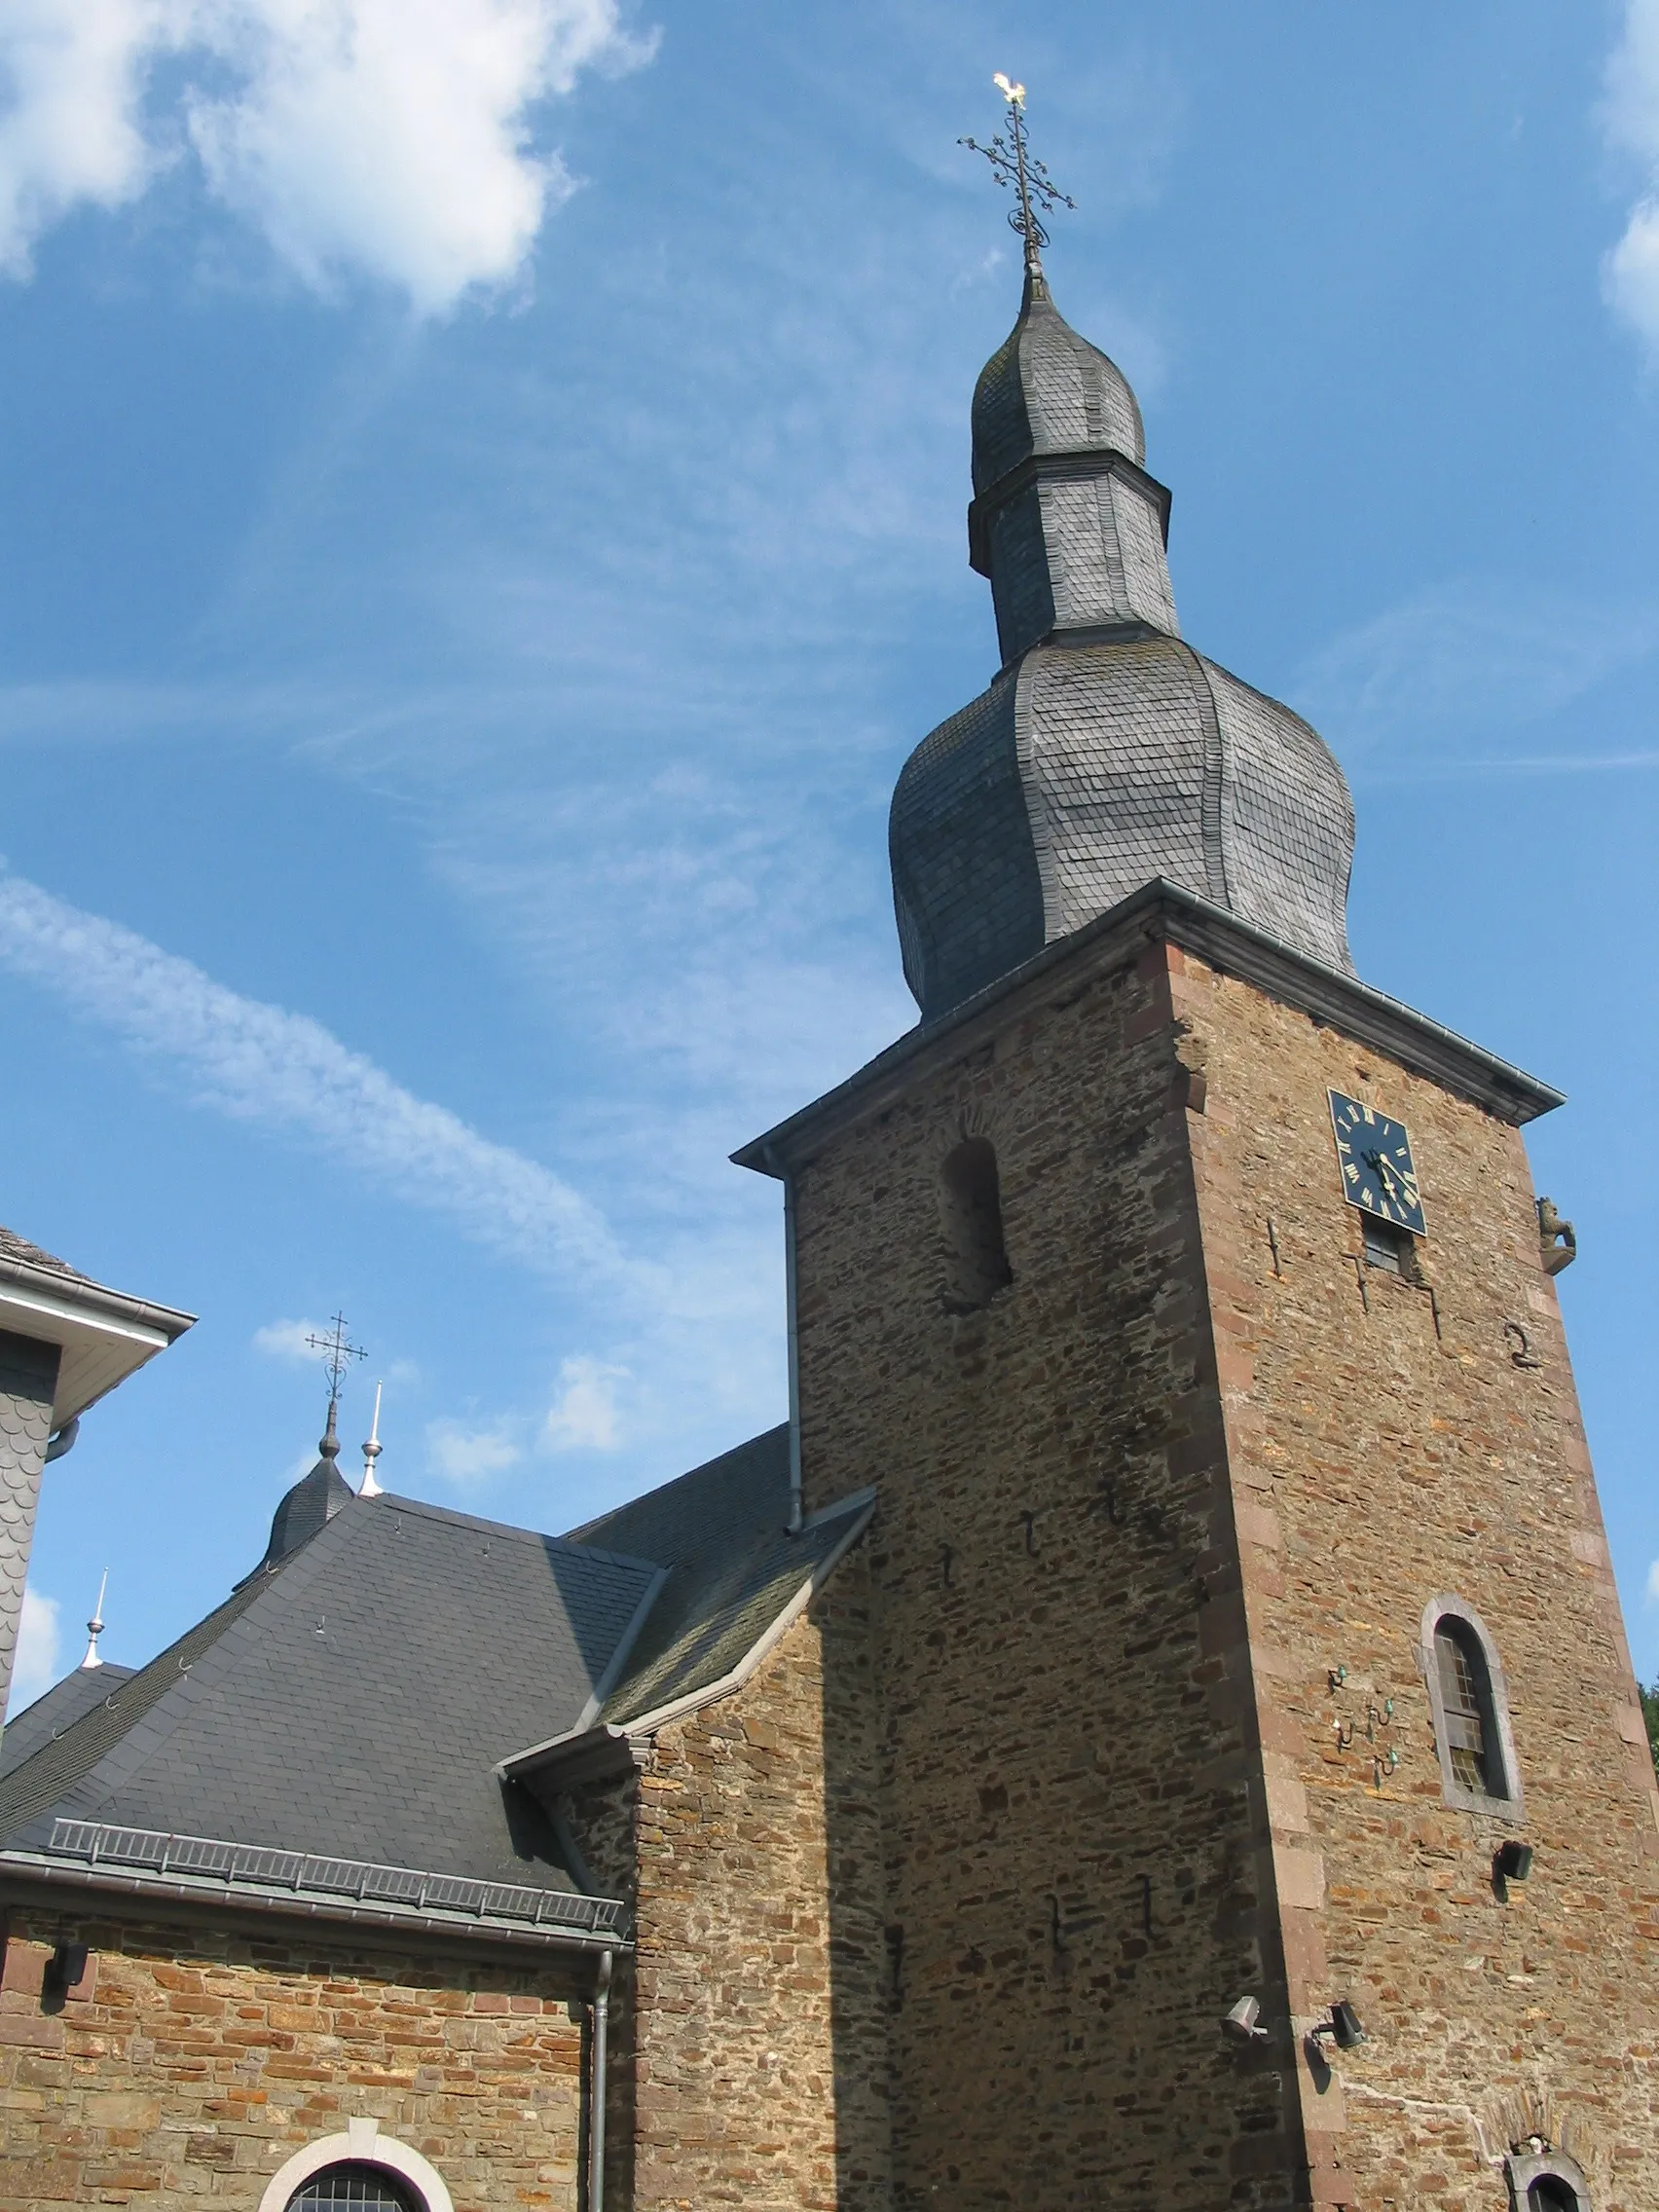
column 372, row 1450
column 95, row 1627
column 1012, row 162
column 337, row 1352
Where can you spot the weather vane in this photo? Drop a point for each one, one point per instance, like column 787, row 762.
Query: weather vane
column 1014, row 163
column 337, row 1357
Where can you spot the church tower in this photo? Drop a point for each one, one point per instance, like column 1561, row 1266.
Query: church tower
column 1263, row 1809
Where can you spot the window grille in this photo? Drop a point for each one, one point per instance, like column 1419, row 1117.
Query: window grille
column 361, row 2188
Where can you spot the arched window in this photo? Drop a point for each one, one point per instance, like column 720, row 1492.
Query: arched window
column 361, row 2169
column 1550, row 2193
column 1471, row 1711
column 976, row 1259
column 1465, row 1693
column 1547, row 2181
column 364, row 2189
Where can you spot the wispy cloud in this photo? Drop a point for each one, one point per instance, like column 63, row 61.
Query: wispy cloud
column 1630, row 117
column 368, row 136
column 1463, row 659
column 468, row 1457
column 583, row 1415
column 289, row 1340
column 262, row 1065
column 38, row 1660
column 1653, row 1583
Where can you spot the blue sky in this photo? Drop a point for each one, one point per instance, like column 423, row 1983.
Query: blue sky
column 482, row 526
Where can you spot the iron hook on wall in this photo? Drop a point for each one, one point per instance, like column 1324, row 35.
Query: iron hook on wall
column 1521, row 1352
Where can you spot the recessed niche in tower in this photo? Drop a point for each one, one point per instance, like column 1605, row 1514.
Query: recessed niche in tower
column 975, row 1258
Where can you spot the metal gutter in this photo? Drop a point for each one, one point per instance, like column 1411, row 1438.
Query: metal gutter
column 75, row 1295
column 149, row 1863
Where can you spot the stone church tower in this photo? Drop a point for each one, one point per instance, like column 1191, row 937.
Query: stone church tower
column 1247, row 1800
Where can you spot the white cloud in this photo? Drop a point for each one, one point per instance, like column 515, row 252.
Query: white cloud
column 1653, row 1583
column 583, row 1416
column 259, row 1063
column 384, row 138
column 470, row 1456
column 1462, row 660
column 1630, row 117
column 36, row 1665
column 289, row 1340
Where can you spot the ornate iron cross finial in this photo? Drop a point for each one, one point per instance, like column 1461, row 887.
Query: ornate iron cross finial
column 1014, row 163
column 337, row 1355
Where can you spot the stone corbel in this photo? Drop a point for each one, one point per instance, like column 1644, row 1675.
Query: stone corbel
column 1558, row 1247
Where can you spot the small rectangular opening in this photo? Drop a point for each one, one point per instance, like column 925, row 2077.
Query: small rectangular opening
column 1386, row 1245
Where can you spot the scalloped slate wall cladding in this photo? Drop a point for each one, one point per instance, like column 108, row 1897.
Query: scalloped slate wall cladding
column 28, row 1376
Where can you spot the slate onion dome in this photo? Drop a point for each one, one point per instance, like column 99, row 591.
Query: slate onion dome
column 312, row 1503
column 1106, row 752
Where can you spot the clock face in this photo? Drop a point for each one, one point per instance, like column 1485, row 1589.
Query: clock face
column 1378, row 1174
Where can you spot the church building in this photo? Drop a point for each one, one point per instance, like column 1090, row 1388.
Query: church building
column 1154, row 1728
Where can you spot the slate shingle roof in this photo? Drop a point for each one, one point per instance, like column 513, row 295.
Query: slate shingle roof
column 16, row 1248
column 732, row 1569
column 354, row 1700
column 354, row 1697
column 59, row 1709
column 1107, row 755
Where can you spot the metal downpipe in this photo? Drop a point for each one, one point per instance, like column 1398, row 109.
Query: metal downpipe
column 596, row 2086
column 790, row 1306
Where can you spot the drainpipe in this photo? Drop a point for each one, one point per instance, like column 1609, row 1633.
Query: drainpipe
column 787, row 1181
column 596, row 2090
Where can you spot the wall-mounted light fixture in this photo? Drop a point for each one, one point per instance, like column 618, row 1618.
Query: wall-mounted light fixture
column 1511, row 1861
column 1244, row 2020
column 1343, row 2028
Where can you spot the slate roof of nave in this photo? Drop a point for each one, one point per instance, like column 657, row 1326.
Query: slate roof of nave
column 59, row 1709
column 353, row 1698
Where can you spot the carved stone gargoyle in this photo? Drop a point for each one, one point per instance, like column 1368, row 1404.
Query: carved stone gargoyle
column 1558, row 1246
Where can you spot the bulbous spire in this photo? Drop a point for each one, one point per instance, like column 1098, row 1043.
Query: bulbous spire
column 1107, row 753
column 1046, row 390
column 1065, row 521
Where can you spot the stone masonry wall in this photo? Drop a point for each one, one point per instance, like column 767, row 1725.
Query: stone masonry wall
column 1388, row 1446
column 190, row 2064
column 747, row 2068
column 1076, row 1858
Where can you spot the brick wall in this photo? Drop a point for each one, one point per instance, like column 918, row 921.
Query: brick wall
column 190, row 2064
column 1385, row 1448
column 1076, row 1867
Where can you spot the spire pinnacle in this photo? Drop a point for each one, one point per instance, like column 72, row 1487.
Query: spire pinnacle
column 1014, row 164
column 95, row 1627
column 372, row 1450
column 337, row 1354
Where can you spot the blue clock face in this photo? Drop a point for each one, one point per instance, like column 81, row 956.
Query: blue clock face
column 1375, row 1154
